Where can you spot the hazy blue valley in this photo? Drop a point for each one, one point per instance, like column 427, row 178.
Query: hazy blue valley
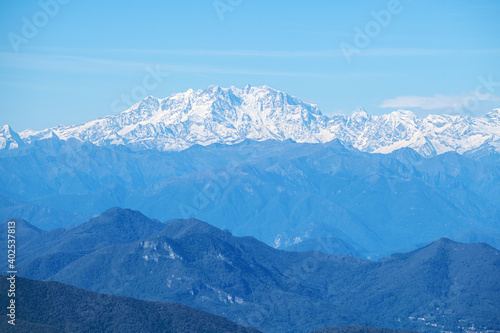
column 324, row 197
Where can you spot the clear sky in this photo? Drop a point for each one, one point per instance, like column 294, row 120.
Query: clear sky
column 68, row 62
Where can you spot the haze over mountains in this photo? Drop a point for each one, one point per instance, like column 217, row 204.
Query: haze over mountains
column 293, row 193
column 231, row 115
column 282, row 193
column 122, row 252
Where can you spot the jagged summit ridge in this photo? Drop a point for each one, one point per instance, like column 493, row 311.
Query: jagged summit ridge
column 9, row 139
column 231, row 115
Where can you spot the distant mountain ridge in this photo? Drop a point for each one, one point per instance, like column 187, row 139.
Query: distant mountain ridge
column 282, row 193
column 241, row 278
column 231, row 115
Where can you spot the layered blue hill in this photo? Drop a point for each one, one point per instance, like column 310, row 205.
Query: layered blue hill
column 123, row 252
column 302, row 196
column 48, row 307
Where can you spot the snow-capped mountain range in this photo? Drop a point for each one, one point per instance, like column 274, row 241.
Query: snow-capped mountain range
column 231, row 115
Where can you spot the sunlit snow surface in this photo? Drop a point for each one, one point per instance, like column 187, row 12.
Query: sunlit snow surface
column 231, row 115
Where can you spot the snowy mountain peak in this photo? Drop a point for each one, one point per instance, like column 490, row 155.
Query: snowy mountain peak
column 495, row 114
column 9, row 139
column 53, row 136
column 403, row 114
column 6, row 130
column 213, row 89
column 359, row 114
column 231, row 115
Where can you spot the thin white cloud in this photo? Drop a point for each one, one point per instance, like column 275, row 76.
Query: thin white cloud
column 89, row 64
column 391, row 52
column 337, row 52
column 437, row 102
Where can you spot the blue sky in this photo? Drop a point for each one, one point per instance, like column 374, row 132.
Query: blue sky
column 88, row 59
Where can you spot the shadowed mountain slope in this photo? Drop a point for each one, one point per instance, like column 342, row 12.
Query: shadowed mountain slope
column 56, row 307
column 243, row 279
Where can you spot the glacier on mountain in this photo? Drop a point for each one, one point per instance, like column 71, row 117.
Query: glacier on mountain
column 231, row 115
